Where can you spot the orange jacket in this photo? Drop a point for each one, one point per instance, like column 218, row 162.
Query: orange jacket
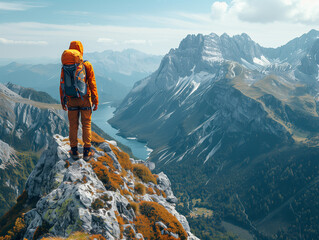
column 90, row 77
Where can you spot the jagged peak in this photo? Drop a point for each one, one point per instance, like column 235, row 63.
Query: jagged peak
column 246, row 36
column 191, row 41
column 109, row 195
column 214, row 35
column 313, row 32
column 196, row 41
column 225, row 35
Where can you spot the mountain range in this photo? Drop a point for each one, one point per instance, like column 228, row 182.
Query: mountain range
column 115, row 72
column 235, row 127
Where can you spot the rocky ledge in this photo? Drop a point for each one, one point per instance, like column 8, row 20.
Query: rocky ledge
column 112, row 195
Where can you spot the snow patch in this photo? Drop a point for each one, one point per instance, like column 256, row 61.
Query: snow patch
column 262, row 61
column 131, row 138
column 213, row 151
column 205, row 124
column 167, row 116
column 196, row 85
column 249, row 65
column 211, row 52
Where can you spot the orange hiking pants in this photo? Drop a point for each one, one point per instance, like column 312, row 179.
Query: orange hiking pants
column 73, row 116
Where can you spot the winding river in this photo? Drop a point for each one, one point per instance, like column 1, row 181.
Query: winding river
column 100, row 118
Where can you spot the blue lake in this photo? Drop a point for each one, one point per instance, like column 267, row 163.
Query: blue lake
column 100, row 118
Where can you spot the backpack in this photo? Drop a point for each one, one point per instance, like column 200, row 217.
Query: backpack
column 73, row 74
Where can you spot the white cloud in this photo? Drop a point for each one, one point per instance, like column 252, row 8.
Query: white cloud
column 218, row 10
column 160, row 35
column 106, row 40
column 16, row 6
column 94, row 38
column 22, row 42
column 268, row 11
column 135, row 41
column 193, row 17
column 75, row 13
column 175, row 20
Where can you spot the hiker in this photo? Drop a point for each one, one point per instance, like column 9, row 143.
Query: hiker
column 79, row 96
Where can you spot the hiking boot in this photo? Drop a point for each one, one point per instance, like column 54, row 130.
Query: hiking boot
column 87, row 153
column 74, row 153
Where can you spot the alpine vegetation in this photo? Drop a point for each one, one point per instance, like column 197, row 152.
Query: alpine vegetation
column 110, row 197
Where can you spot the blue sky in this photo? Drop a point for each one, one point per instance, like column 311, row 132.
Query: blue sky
column 45, row 28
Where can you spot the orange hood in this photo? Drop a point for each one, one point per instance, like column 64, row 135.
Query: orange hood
column 77, row 45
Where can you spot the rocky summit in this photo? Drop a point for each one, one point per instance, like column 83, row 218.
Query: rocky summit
column 112, row 196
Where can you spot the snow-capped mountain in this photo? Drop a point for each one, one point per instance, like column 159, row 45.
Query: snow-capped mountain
column 219, row 105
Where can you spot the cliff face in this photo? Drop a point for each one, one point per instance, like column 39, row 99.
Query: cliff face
column 26, row 124
column 26, row 127
column 111, row 195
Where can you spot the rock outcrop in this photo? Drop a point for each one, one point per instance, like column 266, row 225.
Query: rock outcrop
column 110, row 195
column 7, row 155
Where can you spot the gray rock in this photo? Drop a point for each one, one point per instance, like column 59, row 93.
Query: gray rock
column 116, row 163
column 67, row 196
column 7, row 155
column 32, row 220
column 161, row 225
column 150, row 165
column 105, row 147
column 139, row 236
column 165, row 185
column 174, row 235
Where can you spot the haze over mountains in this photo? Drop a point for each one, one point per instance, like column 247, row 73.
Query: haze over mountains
column 235, row 126
column 116, row 72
